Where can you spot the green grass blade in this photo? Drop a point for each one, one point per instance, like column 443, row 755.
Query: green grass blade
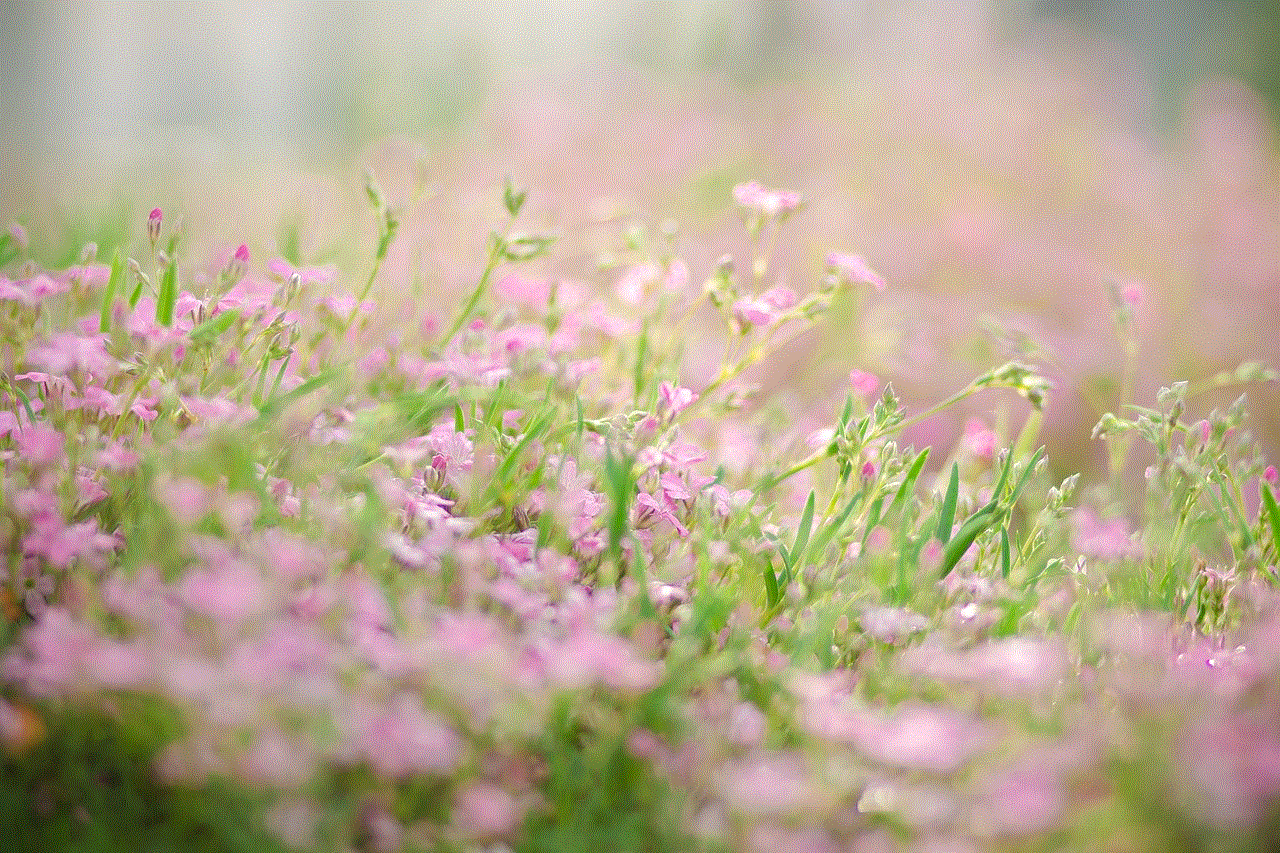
column 947, row 515
column 214, row 327
column 1273, row 513
column 909, row 482
column 771, row 596
column 459, row 422
column 802, row 534
column 832, row 528
column 109, row 295
column 1025, row 476
column 973, row 527
column 168, row 294
column 1004, row 552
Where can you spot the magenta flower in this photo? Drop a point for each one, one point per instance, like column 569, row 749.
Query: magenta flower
column 153, row 225
column 979, row 439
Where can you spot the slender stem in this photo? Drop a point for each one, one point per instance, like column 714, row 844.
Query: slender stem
column 495, row 258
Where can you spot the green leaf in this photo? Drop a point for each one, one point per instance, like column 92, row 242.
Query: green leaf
column 1025, row 476
column 908, row 482
column 168, row 294
column 533, row 433
column 620, row 488
column 831, row 529
column 1004, row 552
column 109, row 295
column 947, row 515
column 277, row 404
column 771, row 595
column 213, row 327
column 974, row 526
column 802, row 535
column 1273, row 512
column 459, row 423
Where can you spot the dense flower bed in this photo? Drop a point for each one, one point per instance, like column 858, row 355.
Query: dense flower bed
column 289, row 565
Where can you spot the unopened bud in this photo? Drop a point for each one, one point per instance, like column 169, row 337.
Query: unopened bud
column 237, row 266
column 153, row 225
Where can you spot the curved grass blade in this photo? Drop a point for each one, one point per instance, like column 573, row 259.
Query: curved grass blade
column 109, row 295
column 168, row 294
column 908, row 482
column 947, row 515
column 1273, row 513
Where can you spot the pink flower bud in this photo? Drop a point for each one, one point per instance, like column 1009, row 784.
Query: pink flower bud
column 237, row 266
column 1271, row 476
column 153, row 225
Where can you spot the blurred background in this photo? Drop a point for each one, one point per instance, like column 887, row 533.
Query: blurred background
column 1003, row 164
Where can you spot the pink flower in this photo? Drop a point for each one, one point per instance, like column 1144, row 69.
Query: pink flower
column 153, row 225
column 675, row 399
column 979, row 439
column 764, row 201
column 402, row 740
column 40, row 445
column 864, row 384
column 283, row 270
column 485, row 811
column 1109, row 540
column 1270, row 476
column 854, row 269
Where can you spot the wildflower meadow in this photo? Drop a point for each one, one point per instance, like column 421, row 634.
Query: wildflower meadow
column 597, row 531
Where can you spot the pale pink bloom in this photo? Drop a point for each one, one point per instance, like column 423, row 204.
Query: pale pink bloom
column 519, row 338
column 50, row 658
column 533, row 292
column 1022, row 801
column 40, row 445
column 1108, row 540
column 634, row 283
column 485, row 811
column 588, row 657
column 1132, row 294
column 892, row 625
column 64, row 353
column 920, row 737
column 401, row 740
column 979, row 439
column 231, row 592
column 854, row 269
column 674, row 399
column 1270, row 476
column 767, row 202
column 281, row 269
column 768, row 785
column 119, row 665
column 754, row 312
column 864, row 384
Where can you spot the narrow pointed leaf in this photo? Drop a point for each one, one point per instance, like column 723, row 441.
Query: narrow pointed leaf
column 109, row 295
column 947, row 515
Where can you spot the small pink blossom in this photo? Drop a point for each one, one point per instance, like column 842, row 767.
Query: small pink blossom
column 1107, row 540
column 854, row 270
column 40, row 445
column 1271, row 476
column 674, row 399
column 767, row 202
column 1132, row 294
column 864, row 384
column 979, row 439
column 485, row 811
